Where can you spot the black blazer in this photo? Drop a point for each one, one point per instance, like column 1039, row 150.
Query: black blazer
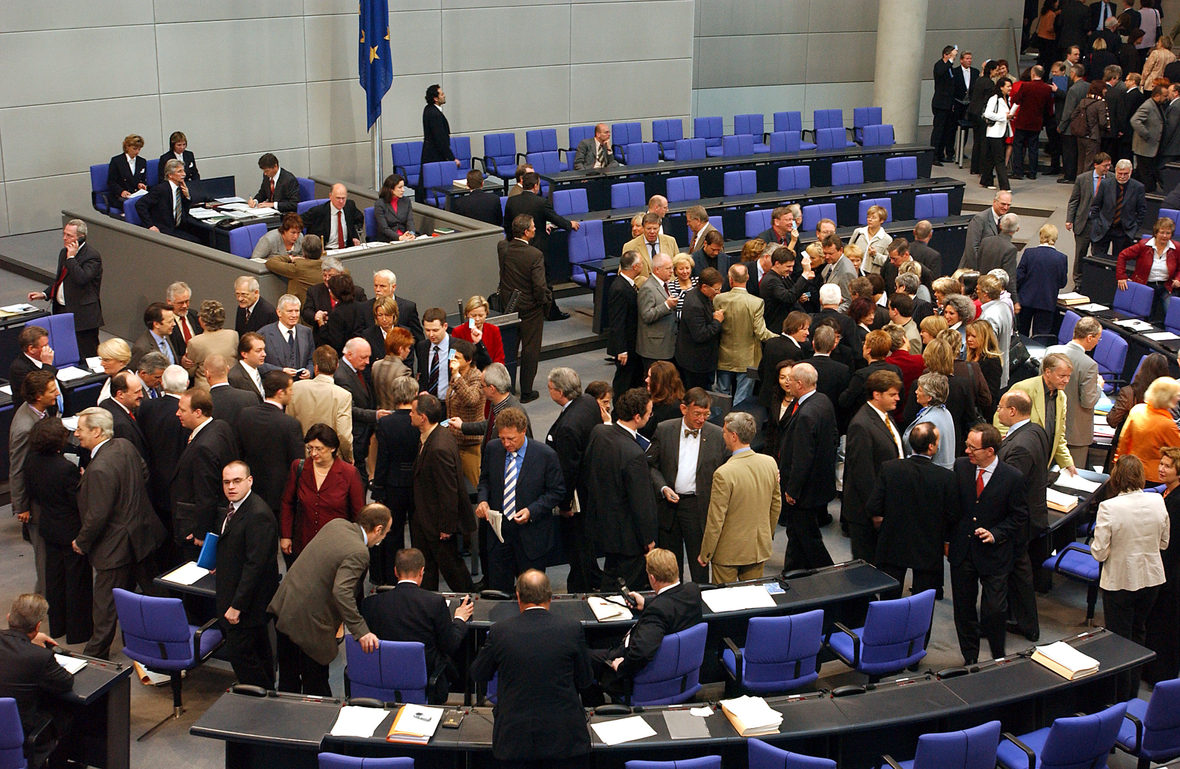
column 247, row 572
column 345, row 322
column 155, row 209
column 844, row 351
column 20, row 368
column 28, row 671
column 615, row 492
column 480, row 205
column 286, row 192
column 240, row 380
column 407, row 318
column 775, row 351
column 191, row 174
column 440, row 499
column 229, row 401
column 781, row 294
column 944, row 86
column 120, row 179
column 1028, row 450
column 926, row 256
column 397, row 447
column 264, row 314
column 436, row 135
column 177, row 336
column 919, row 503
column 832, row 378
column 269, row 440
column 197, row 501
column 364, row 413
column 318, row 298
column 541, row 209
column 677, row 608
column 869, row 445
column 318, row 221
column 541, row 660
column 82, row 286
column 854, row 395
column 1002, row 510
column 962, row 89
column 166, row 439
column 539, row 487
column 569, row 436
column 698, row 335
column 807, row 458
column 409, row 613
column 125, row 426
column 622, row 311
column 522, row 268
column 51, row 481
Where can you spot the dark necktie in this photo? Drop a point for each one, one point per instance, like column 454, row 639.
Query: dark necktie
column 691, row 433
column 1118, row 207
column 364, row 384
column 602, row 156
column 339, row 229
column 228, row 515
column 185, row 331
column 291, row 343
column 248, row 312
column 272, row 189
column 432, row 377
column 653, row 247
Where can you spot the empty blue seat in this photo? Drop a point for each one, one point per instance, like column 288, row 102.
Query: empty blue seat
column 370, row 224
column 788, row 121
column 782, row 142
column 541, row 140
column 794, row 178
column 717, row 224
column 570, row 202
column 673, row 675
column 901, row 169
column 760, row 755
column 622, row 134
column 1068, row 321
column 704, row 762
column 1170, row 213
column 642, row 153
column 461, row 149
column 666, row 133
column 877, row 136
column 340, row 761
column 684, row 188
column 578, row 133
column 711, row 129
column 1111, row 356
column 130, row 215
column 1080, row 741
column 396, row 672
column 243, row 239
column 499, row 155
column 754, row 126
column 848, row 173
column 691, row 149
column 1134, row 301
column 440, row 174
column 813, row 213
column 863, row 117
column 932, row 205
column 893, row 638
column 586, row 245
column 1151, row 730
column 12, row 736
column 303, row 206
column 828, row 118
column 973, row 748
column 1172, row 319
column 407, row 159
column 98, row 188
column 627, row 195
column 864, row 206
column 832, row 139
column 153, row 174
column 1076, row 562
column 781, row 653
column 306, row 188
column 757, row 221
column 544, row 162
column 740, row 183
column 737, row 146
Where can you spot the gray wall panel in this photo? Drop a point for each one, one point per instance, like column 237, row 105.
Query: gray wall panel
column 240, row 120
column 331, row 47
column 841, row 57
column 751, row 17
column 468, row 37
column 746, row 61
column 350, row 163
column 248, row 52
column 336, row 112
column 212, row 10
column 416, row 40
column 596, row 86
column 27, row 200
column 18, row 16
column 483, row 101
column 4, row 230
column 629, row 37
column 842, row 16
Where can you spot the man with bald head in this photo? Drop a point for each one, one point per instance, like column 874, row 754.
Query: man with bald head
column 352, row 375
column 338, row 222
column 126, row 395
column 595, row 152
column 228, row 401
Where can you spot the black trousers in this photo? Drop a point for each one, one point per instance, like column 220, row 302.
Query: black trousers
column 400, row 501
column 584, row 576
column 628, row 375
column 105, row 618
column 1069, row 157
column 977, row 142
column 993, row 163
column 864, row 541
column 1147, row 172
column 692, row 379
column 1030, row 320
column 1081, row 247
column 924, row 579
column 991, row 616
column 299, row 673
column 1022, row 597
column 632, row 569
column 1163, row 632
column 442, row 557
column 507, row 560
column 249, row 652
column 1125, row 612
column 942, row 135
column 573, row 762
column 1025, row 143
column 69, row 586
column 686, row 533
column 532, row 324
column 805, row 543
column 1053, row 147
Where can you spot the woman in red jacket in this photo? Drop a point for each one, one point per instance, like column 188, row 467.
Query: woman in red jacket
column 327, row 488
column 489, row 348
column 1157, row 265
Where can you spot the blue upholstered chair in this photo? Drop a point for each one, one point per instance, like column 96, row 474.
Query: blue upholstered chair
column 586, row 245
column 673, row 675
column 684, row 188
column 62, row 339
column 627, row 195
column 931, row 205
column 791, row 121
column 1111, row 356
column 754, row 126
column 440, row 174
column 130, row 214
column 579, row 132
column 1078, row 741
column 740, row 183
column 704, row 762
column 864, row 206
column 12, row 735
column 862, row 117
column 757, row 221
column 794, row 178
column 306, row 188
column 878, row 136
column 339, row 761
column 98, row 189
column 967, row 749
column 407, row 159
column 370, row 223
column 461, row 149
column 570, row 202
column 622, row 134
column 813, row 213
column 243, row 239
column 396, row 672
column 827, row 139
column 782, row 142
column 737, row 146
column 303, row 206
column 499, row 155
column 781, row 653
column 711, row 129
column 666, row 133
column 760, row 755
column 848, row 173
column 901, row 169
column 641, row 153
column 691, row 149
column 1151, row 730
column 893, row 638
column 1132, row 302
column 1076, row 562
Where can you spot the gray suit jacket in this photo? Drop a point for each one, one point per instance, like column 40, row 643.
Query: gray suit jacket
column 584, row 157
column 1170, row 143
column 278, row 353
column 995, row 251
column 146, row 344
column 1082, row 394
column 982, row 225
column 1148, row 126
column 1080, row 200
column 663, row 457
column 1073, row 97
column 119, row 526
column 238, row 378
column 23, row 420
column 656, row 336
column 841, row 273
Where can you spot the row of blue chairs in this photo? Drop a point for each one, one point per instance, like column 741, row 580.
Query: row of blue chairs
column 98, row 192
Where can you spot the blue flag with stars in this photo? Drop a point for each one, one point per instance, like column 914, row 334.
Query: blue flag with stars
column 376, row 64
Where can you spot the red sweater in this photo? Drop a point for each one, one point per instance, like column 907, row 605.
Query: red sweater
column 340, row 496
column 1036, row 105
column 491, row 339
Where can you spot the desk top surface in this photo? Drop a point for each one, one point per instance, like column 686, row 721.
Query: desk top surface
column 95, row 680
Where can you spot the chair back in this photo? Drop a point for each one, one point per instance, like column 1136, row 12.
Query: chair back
column 98, row 187
column 440, row 174
column 540, row 140
column 831, row 139
column 1172, row 319
column 666, row 133
column 704, row 762
column 895, row 633
column 757, row 221
column 788, row 121
column 753, row 124
column 548, row 162
column 396, row 672
column 1111, row 355
column 673, row 675
column 876, row 135
column 242, row 240
column 794, row 178
column 1161, row 722
column 711, row 129
column 740, row 182
column 586, row 245
column 690, row 149
column 370, row 224
column 828, row 118
column 760, row 755
column 686, row 188
column 863, row 117
column 130, row 215
column 306, row 188
column 813, row 213
column 784, row 141
column 781, row 652
column 338, row 761
column 641, row 153
column 901, row 169
column 569, row 202
column 407, row 158
column 303, row 206
column 12, row 735
column 1134, row 300
column 156, row 632
column 1081, row 742
column 627, row 195
column 848, row 173
column 626, row 133
column 499, row 151
column 867, row 203
column 580, row 132
column 461, row 149
column 967, row 749
column 60, row 328
column 932, row 205
column 153, row 173
column 737, row 146
column 717, row 224
column 1068, row 321
column 1169, row 213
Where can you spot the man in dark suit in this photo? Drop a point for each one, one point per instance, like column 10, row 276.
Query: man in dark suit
column 1099, row 13
column 712, row 244
column 807, row 471
column 119, row 533
column 540, row 661
column 1074, row 15
column 780, row 290
column 521, row 479
column 35, row 355
column 622, row 315
column 993, row 511
column 1118, row 212
column 1077, row 211
column 442, row 508
column 279, row 189
column 385, row 284
column 676, row 606
column 197, row 498
column 288, row 343
column 29, row 672
column 872, row 441
column 923, row 254
column 541, row 210
column 339, row 223
column 522, row 269
column 166, row 440
column 832, row 376
column 683, row 498
column 126, row 395
column 942, row 136
column 698, row 337
column 983, row 224
column 409, row 613
column 246, row 374
column 179, row 297
column 615, row 491
column 436, row 134
column 899, row 254
column 914, row 503
column 164, row 208
column 964, row 76
column 478, row 204
column 269, row 439
column 247, row 577
column 352, row 375
column 792, row 344
column 1026, row 447
column 254, row 312
column 126, row 173
column 77, row 287
column 160, row 321
column 228, row 401
column 569, row 436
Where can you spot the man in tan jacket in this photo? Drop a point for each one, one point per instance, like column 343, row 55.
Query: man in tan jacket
column 742, row 333
column 650, row 243
column 320, row 399
column 743, row 507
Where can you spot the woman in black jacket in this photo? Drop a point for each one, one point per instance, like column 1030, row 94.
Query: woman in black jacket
column 347, row 318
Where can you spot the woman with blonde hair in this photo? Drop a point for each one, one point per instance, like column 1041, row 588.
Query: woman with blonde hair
column 1150, row 427
column 872, row 239
column 855, row 255
column 1161, row 56
column 984, row 350
column 930, row 327
column 489, row 346
column 682, row 281
column 126, row 173
column 115, row 356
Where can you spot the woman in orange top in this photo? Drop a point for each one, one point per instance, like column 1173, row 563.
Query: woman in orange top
column 1150, row 427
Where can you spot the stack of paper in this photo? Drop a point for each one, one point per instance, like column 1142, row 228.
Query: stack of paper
column 185, row 575
column 357, row 722
column 72, row 664
column 415, row 724
column 229, row 200
column 1072, row 298
column 738, row 598
column 94, row 364
column 1059, row 501
column 1092, row 307
column 1136, row 325
column 608, row 609
column 1077, row 482
column 623, row 730
column 16, row 309
column 1162, row 336
column 1065, row 661
column 751, row 716
column 6, row 389
column 70, row 373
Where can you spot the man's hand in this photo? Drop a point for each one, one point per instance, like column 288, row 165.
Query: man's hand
column 71, row 249
column 649, row 547
column 23, row 517
column 36, row 296
column 154, row 228
column 77, row 549
column 520, row 516
column 1071, row 469
column 1122, row 285
column 575, row 226
column 1069, row 226
column 877, row 522
column 356, row 241
column 638, row 600
column 455, row 422
column 406, row 236
column 233, row 616
column 290, row 372
column 369, row 643
column 43, row 640
column 141, row 186
column 789, row 499
column 125, row 194
column 187, row 362
column 481, row 510
column 670, row 495
column 457, row 162
column 251, row 203
column 382, row 413
column 622, row 358
column 671, row 302
column 184, row 189
column 616, row 662
column 985, row 536
column 47, row 355
column 285, row 546
column 566, row 513
column 702, row 561
column 1016, row 307
column 465, row 609
column 443, row 536
column 719, row 315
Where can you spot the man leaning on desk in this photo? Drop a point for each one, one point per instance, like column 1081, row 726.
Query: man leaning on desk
column 280, row 188
column 339, row 223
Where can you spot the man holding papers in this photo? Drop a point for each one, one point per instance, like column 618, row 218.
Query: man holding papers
column 522, row 479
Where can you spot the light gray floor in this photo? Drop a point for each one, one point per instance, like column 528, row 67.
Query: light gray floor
column 1061, row 611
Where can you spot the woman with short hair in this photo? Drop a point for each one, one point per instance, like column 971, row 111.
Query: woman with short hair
column 489, row 346
column 1150, row 427
column 319, row 488
column 114, row 355
column 931, row 391
column 286, row 240
column 178, row 150
column 393, row 212
column 126, row 173
column 872, row 239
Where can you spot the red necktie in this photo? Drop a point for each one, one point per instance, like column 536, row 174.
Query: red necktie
column 56, row 284
column 272, row 190
column 185, row 331
column 979, row 484
column 339, row 229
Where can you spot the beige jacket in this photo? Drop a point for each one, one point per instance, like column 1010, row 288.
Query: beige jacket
column 322, row 400
column 742, row 332
column 743, row 511
column 1131, row 530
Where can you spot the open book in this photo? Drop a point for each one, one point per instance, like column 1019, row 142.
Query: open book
column 1065, row 661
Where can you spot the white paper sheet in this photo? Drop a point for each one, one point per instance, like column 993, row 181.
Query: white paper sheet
column 6, row 389
column 623, row 730
column 608, row 609
column 229, row 200
column 70, row 423
column 1135, row 324
column 1092, row 307
column 72, row 664
column 70, row 373
column 496, row 521
column 94, row 364
column 358, row 722
column 18, row 308
column 1161, row 336
column 737, row 598
column 1077, row 482
column 186, row 575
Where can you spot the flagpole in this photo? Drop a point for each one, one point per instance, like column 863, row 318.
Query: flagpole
column 375, row 136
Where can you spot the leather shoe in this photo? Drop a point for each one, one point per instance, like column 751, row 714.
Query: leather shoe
column 936, row 162
column 1063, row 180
column 529, row 397
column 556, row 314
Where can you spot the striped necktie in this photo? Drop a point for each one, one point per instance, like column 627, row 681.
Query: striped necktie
column 510, row 485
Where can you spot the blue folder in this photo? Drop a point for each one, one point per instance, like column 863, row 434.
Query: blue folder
column 208, row 557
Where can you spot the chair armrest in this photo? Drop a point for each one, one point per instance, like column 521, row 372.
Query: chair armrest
column 521, row 156
column 197, row 640
column 366, row 702
column 855, row 644
column 887, row 759
column 483, row 161
column 1032, row 757
column 1052, row 339
column 1138, row 734
column 737, row 659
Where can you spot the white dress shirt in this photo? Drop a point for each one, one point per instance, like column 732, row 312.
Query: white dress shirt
column 686, row 467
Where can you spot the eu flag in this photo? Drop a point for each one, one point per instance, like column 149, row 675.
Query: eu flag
column 375, row 62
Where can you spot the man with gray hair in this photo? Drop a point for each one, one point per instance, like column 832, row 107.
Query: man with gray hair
column 744, row 506
column 1117, row 213
column 164, row 209
column 743, row 330
column 497, row 388
column 302, row 272
column 119, row 533
column 1049, row 405
column 288, row 343
column 655, row 337
column 839, row 270
column 807, row 468
column 998, row 251
column 77, row 287
column 254, row 312
column 318, row 303
column 179, row 297
column 151, row 368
